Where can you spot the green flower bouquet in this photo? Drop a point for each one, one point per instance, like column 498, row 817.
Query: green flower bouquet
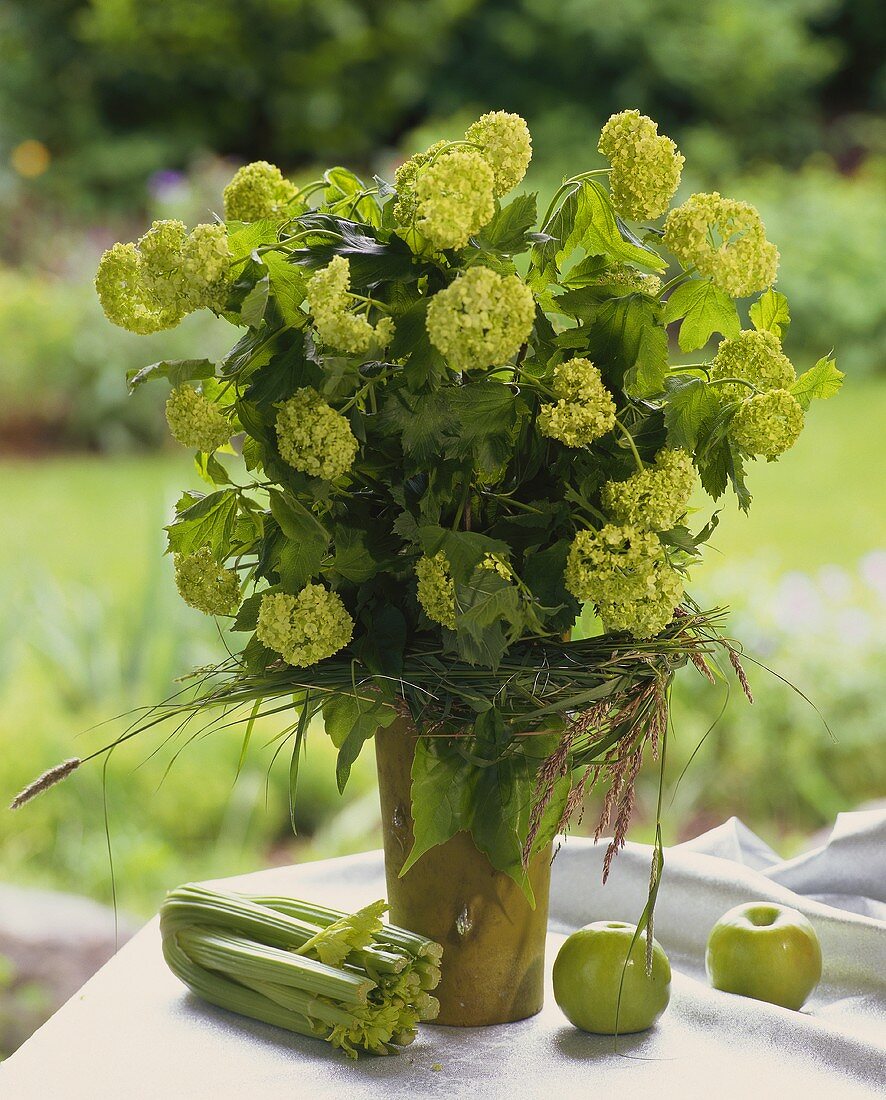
column 447, row 426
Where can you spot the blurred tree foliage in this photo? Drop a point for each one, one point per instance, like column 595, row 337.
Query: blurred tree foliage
column 116, row 88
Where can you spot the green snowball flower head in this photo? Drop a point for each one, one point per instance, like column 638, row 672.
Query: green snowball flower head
column 337, row 326
column 726, row 240
column 612, row 564
column 481, row 319
column 125, row 298
column 649, row 615
column 585, row 410
column 454, row 198
column 624, row 571
column 259, row 190
column 755, row 357
column 306, row 628
column 404, row 182
column 195, row 421
column 768, row 424
column 436, row 589
column 646, row 166
column 313, row 437
column 506, row 144
column 205, row 585
column 655, row 497
column 206, row 264
column 168, row 274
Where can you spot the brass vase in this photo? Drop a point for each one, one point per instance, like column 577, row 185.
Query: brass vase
column 493, row 941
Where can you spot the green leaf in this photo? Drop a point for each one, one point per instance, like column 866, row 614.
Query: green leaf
column 509, row 230
column 629, row 346
column 354, row 557
column 247, row 616
column 245, row 237
column 690, row 407
column 502, row 804
column 298, row 557
column 586, row 220
column 208, row 521
column 175, row 370
column 705, row 309
column 770, row 312
column 288, row 285
column 442, row 796
column 821, row 381
column 425, row 422
column 350, row 722
column 374, row 256
column 487, row 417
column 488, row 617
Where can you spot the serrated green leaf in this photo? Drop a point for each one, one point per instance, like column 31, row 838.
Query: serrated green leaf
column 425, row 422
column 175, row 371
column 587, row 220
column 247, row 616
column 509, row 230
column 298, row 556
column 487, row 416
column 628, row 345
column 207, row 521
column 690, row 407
column 705, row 309
column 819, row 382
column 442, row 796
column 770, row 312
column 350, row 722
column 488, row 616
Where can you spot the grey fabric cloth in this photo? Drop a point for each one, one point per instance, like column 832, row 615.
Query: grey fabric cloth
column 133, row 1032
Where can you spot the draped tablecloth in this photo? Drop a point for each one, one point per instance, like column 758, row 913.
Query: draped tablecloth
column 133, row 1032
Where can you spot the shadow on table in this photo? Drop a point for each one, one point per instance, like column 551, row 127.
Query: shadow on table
column 581, row 1046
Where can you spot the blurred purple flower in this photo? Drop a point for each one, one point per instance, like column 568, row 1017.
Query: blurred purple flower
column 164, row 183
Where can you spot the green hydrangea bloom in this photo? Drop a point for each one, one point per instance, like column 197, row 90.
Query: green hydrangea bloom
column 259, row 190
column 125, row 299
column 168, row 274
column 306, row 628
column 404, row 182
column 313, row 437
column 726, row 240
column 612, row 565
column 195, row 421
column 648, row 616
column 206, row 264
column 757, row 358
column 655, row 497
column 436, row 589
column 624, row 571
column 646, row 166
column 454, row 197
column 185, row 271
column 481, row 319
column 506, row 144
column 329, row 300
column 204, row 584
column 585, row 410
column 768, row 423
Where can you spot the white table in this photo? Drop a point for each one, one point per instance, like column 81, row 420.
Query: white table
column 134, row 1033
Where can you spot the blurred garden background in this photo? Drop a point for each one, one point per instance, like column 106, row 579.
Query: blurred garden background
column 113, row 112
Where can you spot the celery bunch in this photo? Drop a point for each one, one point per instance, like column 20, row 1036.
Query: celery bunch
column 346, row 978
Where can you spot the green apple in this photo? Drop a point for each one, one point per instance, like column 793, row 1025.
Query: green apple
column 766, row 951
column 588, row 973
